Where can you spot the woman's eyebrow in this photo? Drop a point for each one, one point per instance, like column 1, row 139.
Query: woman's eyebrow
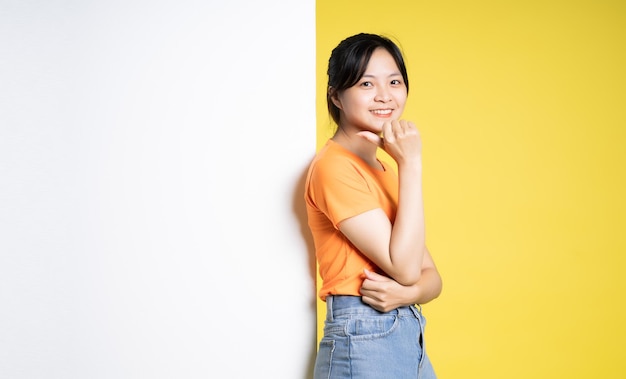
column 389, row 76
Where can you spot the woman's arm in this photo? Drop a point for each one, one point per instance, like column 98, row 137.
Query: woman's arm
column 397, row 249
column 384, row 294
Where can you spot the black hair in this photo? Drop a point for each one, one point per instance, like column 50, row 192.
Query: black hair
column 349, row 60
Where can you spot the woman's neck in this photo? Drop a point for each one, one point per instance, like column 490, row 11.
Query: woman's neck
column 359, row 146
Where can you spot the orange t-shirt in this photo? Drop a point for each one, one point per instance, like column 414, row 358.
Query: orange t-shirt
column 340, row 185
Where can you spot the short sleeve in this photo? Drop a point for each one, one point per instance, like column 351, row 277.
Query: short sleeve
column 339, row 188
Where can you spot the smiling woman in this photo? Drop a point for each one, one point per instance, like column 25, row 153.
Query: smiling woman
column 520, row 107
column 367, row 221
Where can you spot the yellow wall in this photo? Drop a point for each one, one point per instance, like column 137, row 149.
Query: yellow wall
column 522, row 110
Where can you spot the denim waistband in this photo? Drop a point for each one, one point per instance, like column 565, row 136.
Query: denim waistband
column 340, row 305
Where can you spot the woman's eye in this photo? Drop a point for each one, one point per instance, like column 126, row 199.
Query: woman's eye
column 395, row 82
column 366, row 84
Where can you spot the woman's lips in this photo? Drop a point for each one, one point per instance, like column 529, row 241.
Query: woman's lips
column 382, row 112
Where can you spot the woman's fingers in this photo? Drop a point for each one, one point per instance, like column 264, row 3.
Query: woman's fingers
column 401, row 139
column 373, row 138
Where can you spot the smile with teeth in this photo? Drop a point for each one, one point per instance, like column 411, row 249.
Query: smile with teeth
column 381, row 112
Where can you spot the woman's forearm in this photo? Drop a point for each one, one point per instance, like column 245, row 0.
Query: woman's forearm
column 407, row 241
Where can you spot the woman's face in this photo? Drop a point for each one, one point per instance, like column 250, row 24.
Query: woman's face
column 379, row 96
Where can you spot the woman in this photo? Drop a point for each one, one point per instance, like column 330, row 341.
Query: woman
column 367, row 221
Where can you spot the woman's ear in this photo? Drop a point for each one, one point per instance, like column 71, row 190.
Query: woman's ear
column 332, row 93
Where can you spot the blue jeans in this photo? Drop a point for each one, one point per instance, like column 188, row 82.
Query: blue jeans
column 360, row 342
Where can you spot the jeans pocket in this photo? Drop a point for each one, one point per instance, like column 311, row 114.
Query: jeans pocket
column 372, row 327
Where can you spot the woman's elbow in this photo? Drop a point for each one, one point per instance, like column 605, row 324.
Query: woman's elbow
column 437, row 285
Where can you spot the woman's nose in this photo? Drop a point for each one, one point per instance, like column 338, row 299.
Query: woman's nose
column 382, row 94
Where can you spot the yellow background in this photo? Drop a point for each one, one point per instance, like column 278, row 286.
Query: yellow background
column 521, row 106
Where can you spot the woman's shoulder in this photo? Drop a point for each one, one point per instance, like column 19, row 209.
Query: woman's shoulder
column 334, row 158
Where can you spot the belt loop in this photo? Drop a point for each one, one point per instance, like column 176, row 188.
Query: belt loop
column 329, row 308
